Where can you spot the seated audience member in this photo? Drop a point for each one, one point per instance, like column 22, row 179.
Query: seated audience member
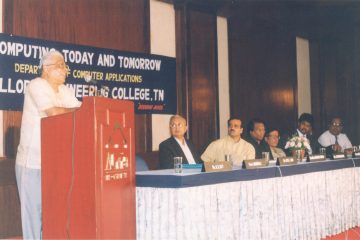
column 333, row 138
column 177, row 145
column 304, row 129
column 232, row 144
column 272, row 137
column 255, row 135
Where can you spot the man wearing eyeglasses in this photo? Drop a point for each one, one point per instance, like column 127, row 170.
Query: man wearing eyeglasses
column 45, row 96
column 177, row 145
column 272, row 138
column 333, row 138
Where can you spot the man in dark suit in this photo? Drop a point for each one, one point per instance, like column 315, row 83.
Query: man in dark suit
column 255, row 135
column 304, row 129
column 177, row 145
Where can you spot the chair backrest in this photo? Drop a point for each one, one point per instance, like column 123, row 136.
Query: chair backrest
column 140, row 164
column 151, row 159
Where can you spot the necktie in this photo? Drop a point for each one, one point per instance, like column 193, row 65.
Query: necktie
column 336, row 140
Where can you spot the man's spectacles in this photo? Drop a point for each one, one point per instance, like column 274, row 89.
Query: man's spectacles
column 337, row 124
column 274, row 137
column 179, row 125
column 58, row 65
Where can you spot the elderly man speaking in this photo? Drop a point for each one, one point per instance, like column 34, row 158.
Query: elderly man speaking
column 45, row 96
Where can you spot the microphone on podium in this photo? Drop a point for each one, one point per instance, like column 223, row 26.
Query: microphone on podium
column 100, row 90
column 89, row 79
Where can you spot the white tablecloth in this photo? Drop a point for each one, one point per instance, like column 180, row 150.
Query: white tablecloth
column 305, row 206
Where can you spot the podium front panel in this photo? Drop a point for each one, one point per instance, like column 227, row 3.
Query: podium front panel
column 88, row 171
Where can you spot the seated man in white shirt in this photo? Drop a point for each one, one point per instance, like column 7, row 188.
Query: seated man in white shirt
column 333, row 138
column 232, row 145
column 177, row 145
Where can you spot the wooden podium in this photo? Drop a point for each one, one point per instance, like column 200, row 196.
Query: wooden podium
column 88, row 172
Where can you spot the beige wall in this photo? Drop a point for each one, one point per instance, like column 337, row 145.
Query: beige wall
column 303, row 75
column 162, row 35
column 163, row 41
column 223, row 75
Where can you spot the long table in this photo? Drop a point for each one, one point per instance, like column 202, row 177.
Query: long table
column 303, row 201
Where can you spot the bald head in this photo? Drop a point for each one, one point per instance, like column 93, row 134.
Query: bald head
column 178, row 126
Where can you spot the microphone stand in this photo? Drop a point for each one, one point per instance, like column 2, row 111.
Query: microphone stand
column 101, row 90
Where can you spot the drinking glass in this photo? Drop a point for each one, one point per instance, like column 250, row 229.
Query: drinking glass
column 322, row 151
column 178, row 164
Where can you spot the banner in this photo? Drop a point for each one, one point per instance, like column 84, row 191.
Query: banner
column 146, row 79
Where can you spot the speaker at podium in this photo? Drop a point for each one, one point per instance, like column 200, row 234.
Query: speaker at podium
column 88, row 171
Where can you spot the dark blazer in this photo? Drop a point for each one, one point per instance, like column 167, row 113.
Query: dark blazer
column 259, row 147
column 170, row 148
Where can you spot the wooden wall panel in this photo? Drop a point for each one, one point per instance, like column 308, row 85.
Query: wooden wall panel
column 356, row 86
column 197, row 73
column 116, row 24
column 334, row 70
column 203, row 100
column 262, row 60
column 262, row 72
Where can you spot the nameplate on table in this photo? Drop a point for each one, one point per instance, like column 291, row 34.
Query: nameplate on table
column 192, row 168
column 254, row 163
column 316, row 158
column 336, row 156
column 283, row 161
column 217, row 166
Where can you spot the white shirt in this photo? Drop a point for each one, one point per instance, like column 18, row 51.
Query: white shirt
column 39, row 96
column 239, row 151
column 303, row 135
column 327, row 139
column 300, row 133
column 186, row 151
